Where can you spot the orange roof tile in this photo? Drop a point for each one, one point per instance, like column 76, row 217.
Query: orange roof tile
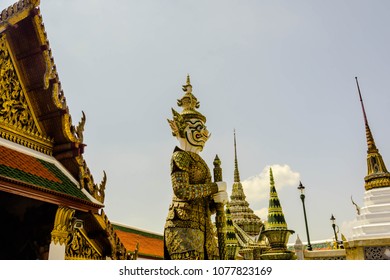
column 149, row 244
column 25, row 163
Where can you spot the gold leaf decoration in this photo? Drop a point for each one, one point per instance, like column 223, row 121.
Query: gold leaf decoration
column 13, row 104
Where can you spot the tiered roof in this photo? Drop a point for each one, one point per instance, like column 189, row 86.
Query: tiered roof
column 41, row 150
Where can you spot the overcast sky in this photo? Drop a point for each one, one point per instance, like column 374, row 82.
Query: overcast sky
column 282, row 73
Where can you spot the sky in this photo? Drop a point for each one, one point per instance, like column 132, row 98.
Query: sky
column 279, row 73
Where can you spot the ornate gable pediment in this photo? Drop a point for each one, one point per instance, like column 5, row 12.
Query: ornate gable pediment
column 17, row 120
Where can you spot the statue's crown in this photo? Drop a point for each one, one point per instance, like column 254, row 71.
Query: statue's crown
column 189, row 103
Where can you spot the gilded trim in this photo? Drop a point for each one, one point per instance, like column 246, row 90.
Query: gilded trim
column 16, row 12
column 50, row 72
column 80, row 247
column 62, row 225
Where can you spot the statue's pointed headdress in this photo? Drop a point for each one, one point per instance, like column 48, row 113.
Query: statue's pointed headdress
column 189, row 103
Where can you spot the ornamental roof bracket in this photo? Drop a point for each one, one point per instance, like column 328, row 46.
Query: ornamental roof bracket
column 87, row 182
column 79, row 131
column 74, row 133
column 99, row 190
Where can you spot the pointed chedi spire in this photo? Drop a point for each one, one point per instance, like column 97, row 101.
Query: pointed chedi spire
column 275, row 213
column 241, row 213
column 370, row 139
column 276, row 228
column 377, row 174
column 236, row 172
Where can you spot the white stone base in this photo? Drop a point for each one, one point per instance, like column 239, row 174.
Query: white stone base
column 374, row 219
column 57, row 252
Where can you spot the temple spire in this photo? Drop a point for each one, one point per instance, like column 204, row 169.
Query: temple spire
column 241, row 213
column 370, row 139
column 377, row 174
column 276, row 218
column 236, row 172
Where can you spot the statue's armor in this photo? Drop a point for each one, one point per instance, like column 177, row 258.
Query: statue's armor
column 189, row 233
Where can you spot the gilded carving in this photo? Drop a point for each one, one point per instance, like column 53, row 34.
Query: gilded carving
column 118, row 250
column 13, row 105
column 50, row 72
column 17, row 122
column 74, row 134
column 80, row 247
column 58, row 96
column 87, row 182
column 16, row 12
column 62, row 225
column 79, row 130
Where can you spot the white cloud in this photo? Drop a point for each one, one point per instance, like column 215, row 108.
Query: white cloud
column 256, row 188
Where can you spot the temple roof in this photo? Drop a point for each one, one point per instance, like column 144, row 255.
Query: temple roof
column 41, row 150
column 150, row 245
column 34, row 110
column 41, row 176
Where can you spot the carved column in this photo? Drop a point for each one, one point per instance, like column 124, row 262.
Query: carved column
column 60, row 233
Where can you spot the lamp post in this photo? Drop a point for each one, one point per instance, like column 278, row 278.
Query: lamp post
column 332, row 218
column 302, row 189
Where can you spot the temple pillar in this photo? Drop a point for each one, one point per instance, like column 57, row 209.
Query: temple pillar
column 60, row 234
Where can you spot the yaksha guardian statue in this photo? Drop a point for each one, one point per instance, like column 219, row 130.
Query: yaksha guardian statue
column 189, row 233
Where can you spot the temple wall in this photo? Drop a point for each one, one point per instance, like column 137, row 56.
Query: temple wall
column 339, row 254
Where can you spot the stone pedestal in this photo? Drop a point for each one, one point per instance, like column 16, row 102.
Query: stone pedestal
column 278, row 239
column 371, row 231
column 370, row 249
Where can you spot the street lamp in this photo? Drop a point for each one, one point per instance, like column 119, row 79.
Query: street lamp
column 334, row 230
column 302, row 189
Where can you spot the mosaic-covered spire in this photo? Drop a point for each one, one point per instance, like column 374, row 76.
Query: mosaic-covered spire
column 236, row 172
column 377, row 174
column 275, row 213
column 232, row 246
column 241, row 213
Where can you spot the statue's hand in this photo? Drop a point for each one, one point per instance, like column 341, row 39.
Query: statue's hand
column 221, row 197
column 221, row 186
